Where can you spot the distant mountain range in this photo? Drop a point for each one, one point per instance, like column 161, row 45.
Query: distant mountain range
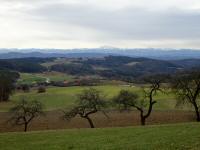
column 162, row 54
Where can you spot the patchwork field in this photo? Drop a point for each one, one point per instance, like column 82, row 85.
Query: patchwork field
column 167, row 137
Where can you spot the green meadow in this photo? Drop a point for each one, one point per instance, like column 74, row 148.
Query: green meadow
column 61, row 97
column 31, row 78
column 165, row 137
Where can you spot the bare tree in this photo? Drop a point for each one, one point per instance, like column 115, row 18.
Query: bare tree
column 126, row 99
column 90, row 101
column 186, row 86
column 25, row 111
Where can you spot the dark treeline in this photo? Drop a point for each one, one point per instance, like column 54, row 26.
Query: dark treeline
column 74, row 69
column 29, row 65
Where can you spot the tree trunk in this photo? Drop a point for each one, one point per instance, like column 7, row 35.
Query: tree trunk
column 25, row 127
column 197, row 113
column 142, row 118
column 143, row 121
column 90, row 122
column 198, row 117
column 1, row 95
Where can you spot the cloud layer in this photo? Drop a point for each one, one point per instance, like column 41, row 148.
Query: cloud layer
column 93, row 23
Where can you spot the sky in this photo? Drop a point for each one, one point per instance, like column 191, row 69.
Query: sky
column 67, row 24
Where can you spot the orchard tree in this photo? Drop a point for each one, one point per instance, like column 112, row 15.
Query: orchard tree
column 127, row 99
column 25, row 111
column 186, row 86
column 90, row 101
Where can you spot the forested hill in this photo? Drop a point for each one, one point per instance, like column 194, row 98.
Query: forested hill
column 29, row 65
column 111, row 67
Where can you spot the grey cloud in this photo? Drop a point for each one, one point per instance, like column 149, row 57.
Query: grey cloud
column 55, row 21
column 130, row 23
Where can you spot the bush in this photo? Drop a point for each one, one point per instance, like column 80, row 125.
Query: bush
column 41, row 89
column 25, row 88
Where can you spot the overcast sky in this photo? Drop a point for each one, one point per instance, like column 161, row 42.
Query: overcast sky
column 95, row 23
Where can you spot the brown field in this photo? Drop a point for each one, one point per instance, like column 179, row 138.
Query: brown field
column 53, row 120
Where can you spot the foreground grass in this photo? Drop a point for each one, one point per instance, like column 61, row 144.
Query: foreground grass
column 169, row 137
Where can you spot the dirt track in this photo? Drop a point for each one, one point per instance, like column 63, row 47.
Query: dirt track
column 53, row 120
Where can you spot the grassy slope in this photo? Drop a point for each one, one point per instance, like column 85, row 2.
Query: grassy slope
column 169, row 137
column 57, row 98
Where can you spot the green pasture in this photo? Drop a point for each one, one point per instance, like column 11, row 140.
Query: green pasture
column 157, row 137
column 32, row 78
column 28, row 78
column 63, row 97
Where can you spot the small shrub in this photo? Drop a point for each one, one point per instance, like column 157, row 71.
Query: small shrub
column 25, row 88
column 41, row 89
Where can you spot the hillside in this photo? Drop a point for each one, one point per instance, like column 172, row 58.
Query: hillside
column 110, row 67
column 30, row 65
column 177, row 136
